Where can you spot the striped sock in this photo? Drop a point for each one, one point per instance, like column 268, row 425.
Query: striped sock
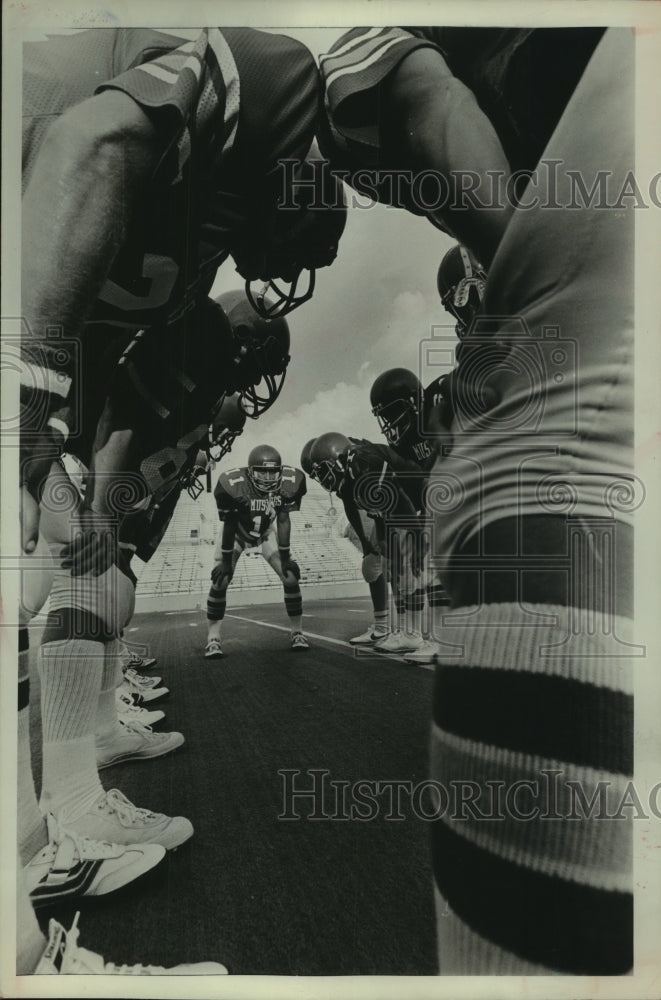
column 534, row 721
column 71, row 672
column 381, row 621
column 294, row 606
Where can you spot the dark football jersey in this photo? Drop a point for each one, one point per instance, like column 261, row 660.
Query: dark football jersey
column 227, row 104
column 381, row 474
column 252, row 511
column 522, row 79
column 420, row 444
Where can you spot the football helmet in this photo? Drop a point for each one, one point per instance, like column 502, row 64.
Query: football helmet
column 461, row 281
column 192, row 478
column 328, row 457
column 396, row 398
column 260, row 354
column 300, row 233
column 306, row 461
column 265, row 468
column 227, row 423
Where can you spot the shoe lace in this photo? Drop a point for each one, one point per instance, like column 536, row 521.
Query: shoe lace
column 137, row 728
column 127, row 813
column 84, row 846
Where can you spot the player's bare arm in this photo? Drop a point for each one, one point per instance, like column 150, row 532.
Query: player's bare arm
column 437, row 124
column 91, row 169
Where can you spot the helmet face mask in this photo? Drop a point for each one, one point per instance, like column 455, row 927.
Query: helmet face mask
column 282, row 300
column 192, row 481
column 461, row 283
column 226, row 425
column 301, row 233
column 193, row 484
column 261, row 354
column 327, row 458
column 265, row 468
column 396, row 419
column 396, row 398
column 329, row 474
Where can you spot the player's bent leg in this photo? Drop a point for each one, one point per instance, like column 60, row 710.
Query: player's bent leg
column 36, row 580
column 292, row 594
column 547, row 637
column 217, row 601
column 411, row 597
column 537, row 877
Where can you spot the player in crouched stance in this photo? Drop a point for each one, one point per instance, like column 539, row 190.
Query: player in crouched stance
column 254, row 505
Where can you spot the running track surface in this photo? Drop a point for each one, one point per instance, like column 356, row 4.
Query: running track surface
column 262, row 894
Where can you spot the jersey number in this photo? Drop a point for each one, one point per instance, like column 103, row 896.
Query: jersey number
column 159, row 275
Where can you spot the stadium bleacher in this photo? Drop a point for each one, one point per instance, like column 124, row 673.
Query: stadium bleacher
column 184, row 559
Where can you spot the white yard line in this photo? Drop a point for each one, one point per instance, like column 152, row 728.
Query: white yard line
column 323, row 638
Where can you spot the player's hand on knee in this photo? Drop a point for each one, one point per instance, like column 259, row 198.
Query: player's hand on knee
column 291, row 569
column 221, row 575
column 94, row 548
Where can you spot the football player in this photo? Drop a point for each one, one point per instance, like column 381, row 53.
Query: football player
column 440, row 120
column 375, row 479
column 163, row 151
column 157, row 400
column 413, row 419
column 542, row 660
column 367, row 535
column 254, row 503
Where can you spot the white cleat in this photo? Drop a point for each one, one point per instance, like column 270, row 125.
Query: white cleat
column 399, row 642
column 64, row 957
column 115, row 819
column 368, row 638
column 128, row 712
column 71, row 866
column 213, row 650
column 299, row 643
column 137, row 662
column 140, row 680
column 132, row 741
column 142, row 696
column 425, row 654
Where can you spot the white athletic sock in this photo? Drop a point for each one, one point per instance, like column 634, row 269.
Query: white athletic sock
column 111, row 678
column 214, row 631
column 296, row 624
column 381, row 621
column 71, row 672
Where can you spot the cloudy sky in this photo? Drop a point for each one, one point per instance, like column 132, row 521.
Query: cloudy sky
column 372, row 310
